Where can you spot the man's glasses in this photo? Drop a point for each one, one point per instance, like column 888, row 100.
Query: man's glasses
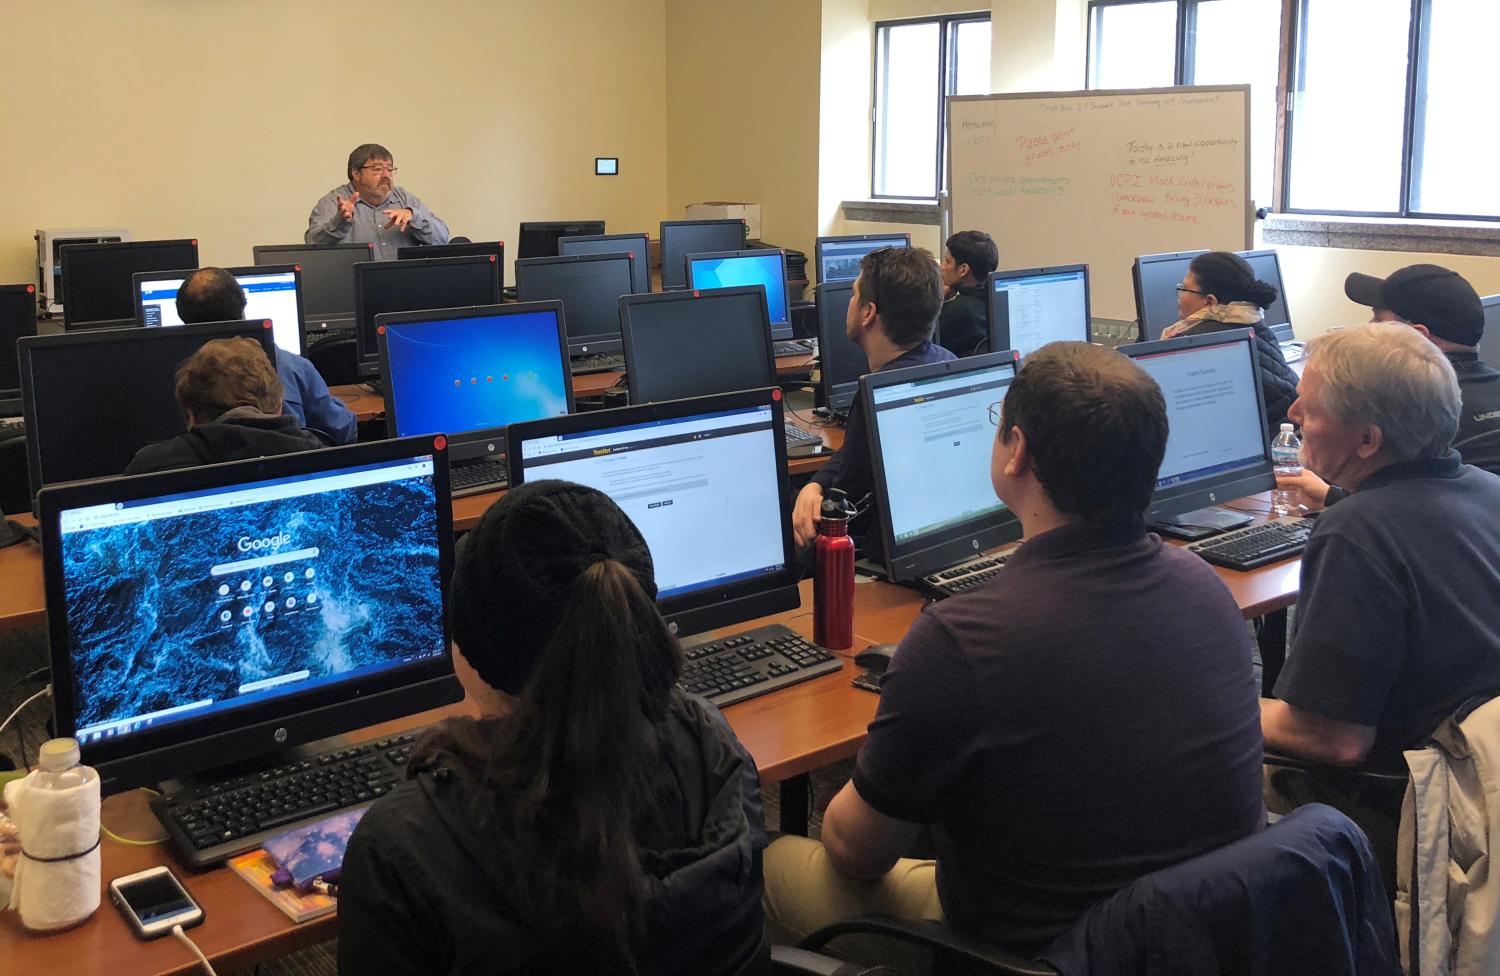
column 380, row 168
column 995, row 413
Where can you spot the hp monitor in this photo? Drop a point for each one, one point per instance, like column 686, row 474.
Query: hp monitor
column 327, row 281
column 838, row 257
column 679, row 238
column 1267, row 268
column 539, row 238
column 694, row 343
column 17, row 319
column 765, row 267
column 1156, row 277
column 1489, row 343
column 273, row 292
column 705, row 481
column 497, row 248
column 1033, row 307
column 636, row 245
column 98, row 278
column 840, row 362
column 417, row 285
column 91, row 400
column 231, row 612
column 590, row 287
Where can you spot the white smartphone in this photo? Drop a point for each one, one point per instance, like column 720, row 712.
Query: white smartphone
column 153, row 901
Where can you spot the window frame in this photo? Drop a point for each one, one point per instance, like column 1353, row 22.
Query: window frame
column 947, row 71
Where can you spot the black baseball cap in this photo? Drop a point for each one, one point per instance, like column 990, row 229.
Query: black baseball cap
column 1426, row 294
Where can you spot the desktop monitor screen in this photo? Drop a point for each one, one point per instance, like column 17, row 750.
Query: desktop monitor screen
column 93, row 399
column 539, row 237
column 98, row 277
column 840, row 362
column 497, row 248
column 691, row 343
column 417, row 285
column 1217, row 446
column 704, row 480
column 469, row 373
column 838, row 257
column 1267, row 267
column 679, row 238
column 1489, row 343
column 327, row 280
column 930, row 437
column 1156, row 277
column 17, row 319
column 729, row 269
column 1031, row 308
column 633, row 244
column 590, row 287
column 273, row 292
column 213, row 614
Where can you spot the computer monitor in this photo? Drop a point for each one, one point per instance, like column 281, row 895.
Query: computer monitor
column 327, row 281
column 471, row 372
column 224, row 613
column 539, row 237
column 17, row 319
column 1218, row 448
column 840, row 362
column 1489, row 343
column 1156, row 277
column 930, row 443
column 679, row 238
column 91, row 400
column 838, row 257
column 97, row 278
column 636, row 244
column 1035, row 306
column 695, row 343
column 272, row 292
column 705, row 481
column 416, row 285
column 728, row 269
column 497, row 248
column 590, row 287
column 1267, row 267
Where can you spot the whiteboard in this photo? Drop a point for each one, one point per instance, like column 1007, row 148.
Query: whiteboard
column 1099, row 177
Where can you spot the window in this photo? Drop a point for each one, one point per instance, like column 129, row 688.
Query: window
column 917, row 64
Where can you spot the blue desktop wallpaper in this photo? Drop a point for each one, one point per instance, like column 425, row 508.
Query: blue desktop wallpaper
column 733, row 272
column 151, row 628
column 458, row 375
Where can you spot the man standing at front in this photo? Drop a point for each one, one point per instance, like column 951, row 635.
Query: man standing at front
column 372, row 209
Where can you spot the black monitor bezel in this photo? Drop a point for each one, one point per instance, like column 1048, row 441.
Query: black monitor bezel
column 278, row 250
column 665, row 264
column 837, row 397
column 710, row 607
column 1278, row 284
column 1490, row 353
column 584, row 226
column 295, row 270
column 10, row 396
column 781, row 330
column 581, row 345
column 466, row 445
column 150, row 756
column 209, row 331
column 851, row 238
column 1142, row 326
column 1191, row 496
column 633, row 356
column 70, row 323
column 641, row 281
column 414, row 252
column 366, row 345
column 1000, row 339
column 917, row 557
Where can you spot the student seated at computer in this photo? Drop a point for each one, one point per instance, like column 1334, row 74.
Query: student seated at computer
column 594, row 818
column 212, row 295
column 964, row 324
column 1085, row 718
column 1220, row 292
column 232, row 401
column 892, row 310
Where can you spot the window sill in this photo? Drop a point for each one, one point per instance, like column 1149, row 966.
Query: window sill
column 893, row 211
column 1383, row 233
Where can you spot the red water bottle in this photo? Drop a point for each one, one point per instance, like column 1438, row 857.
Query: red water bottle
column 833, row 575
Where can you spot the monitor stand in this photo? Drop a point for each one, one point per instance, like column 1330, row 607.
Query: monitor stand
column 1201, row 523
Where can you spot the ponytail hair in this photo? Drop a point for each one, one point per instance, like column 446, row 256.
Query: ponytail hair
column 1229, row 278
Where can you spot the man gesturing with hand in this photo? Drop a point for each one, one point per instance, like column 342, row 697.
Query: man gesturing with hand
column 372, row 209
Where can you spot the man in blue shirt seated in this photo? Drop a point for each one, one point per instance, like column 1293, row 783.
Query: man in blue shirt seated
column 892, row 310
column 1087, row 717
column 212, row 295
column 372, row 209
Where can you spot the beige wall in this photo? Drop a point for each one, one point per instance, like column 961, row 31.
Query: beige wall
column 226, row 121
column 848, row 42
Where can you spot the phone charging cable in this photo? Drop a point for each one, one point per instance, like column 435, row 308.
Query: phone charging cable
column 186, row 940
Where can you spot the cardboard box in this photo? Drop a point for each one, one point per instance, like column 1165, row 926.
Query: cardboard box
column 728, row 210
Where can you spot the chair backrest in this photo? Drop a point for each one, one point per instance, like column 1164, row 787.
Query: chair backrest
column 336, row 361
column 15, row 487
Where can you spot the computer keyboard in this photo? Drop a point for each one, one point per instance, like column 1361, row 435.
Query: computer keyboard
column 595, row 364
column 1256, row 545
column 731, row 669
column 214, row 821
column 801, row 441
column 792, row 347
column 474, row 477
column 965, row 576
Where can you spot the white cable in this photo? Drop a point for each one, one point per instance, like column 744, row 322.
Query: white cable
column 5, row 724
column 186, row 940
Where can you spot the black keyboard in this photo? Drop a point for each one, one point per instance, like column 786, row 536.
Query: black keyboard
column 1257, row 545
column 595, row 364
column 792, row 347
column 965, row 576
column 801, row 442
column 210, row 822
column 474, row 477
column 749, row 664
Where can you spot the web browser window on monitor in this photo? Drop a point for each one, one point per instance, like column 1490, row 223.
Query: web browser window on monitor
column 1214, row 418
column 268, row 296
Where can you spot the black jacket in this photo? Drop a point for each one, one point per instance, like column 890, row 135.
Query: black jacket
column 239, row 435
column 1278, row 384
column 964, row 321
column 423, row 888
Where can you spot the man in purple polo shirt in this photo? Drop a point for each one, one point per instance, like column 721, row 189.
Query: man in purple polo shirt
column 1086, row 718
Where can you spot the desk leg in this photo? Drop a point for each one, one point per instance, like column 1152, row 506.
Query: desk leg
column 796, row 800
column 1272, row 641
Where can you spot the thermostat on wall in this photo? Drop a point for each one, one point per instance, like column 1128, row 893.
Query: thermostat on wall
column 606, row 165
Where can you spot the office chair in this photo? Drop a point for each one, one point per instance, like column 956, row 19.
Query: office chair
column 334, row 359
column 952, row 952
column 15, row 487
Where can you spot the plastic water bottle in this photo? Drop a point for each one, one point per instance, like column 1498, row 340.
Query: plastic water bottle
column 1286, row 456
column 63, row 889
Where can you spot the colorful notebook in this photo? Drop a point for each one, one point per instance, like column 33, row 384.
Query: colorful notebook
column 315, row 850
column 257, row 867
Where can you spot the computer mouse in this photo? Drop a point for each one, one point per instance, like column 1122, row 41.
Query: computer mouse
column 876, row 657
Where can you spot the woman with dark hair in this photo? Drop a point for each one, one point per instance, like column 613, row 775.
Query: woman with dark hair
column 1220, row 292
column 594, row 818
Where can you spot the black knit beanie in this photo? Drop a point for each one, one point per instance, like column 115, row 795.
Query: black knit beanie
column 516, row 570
